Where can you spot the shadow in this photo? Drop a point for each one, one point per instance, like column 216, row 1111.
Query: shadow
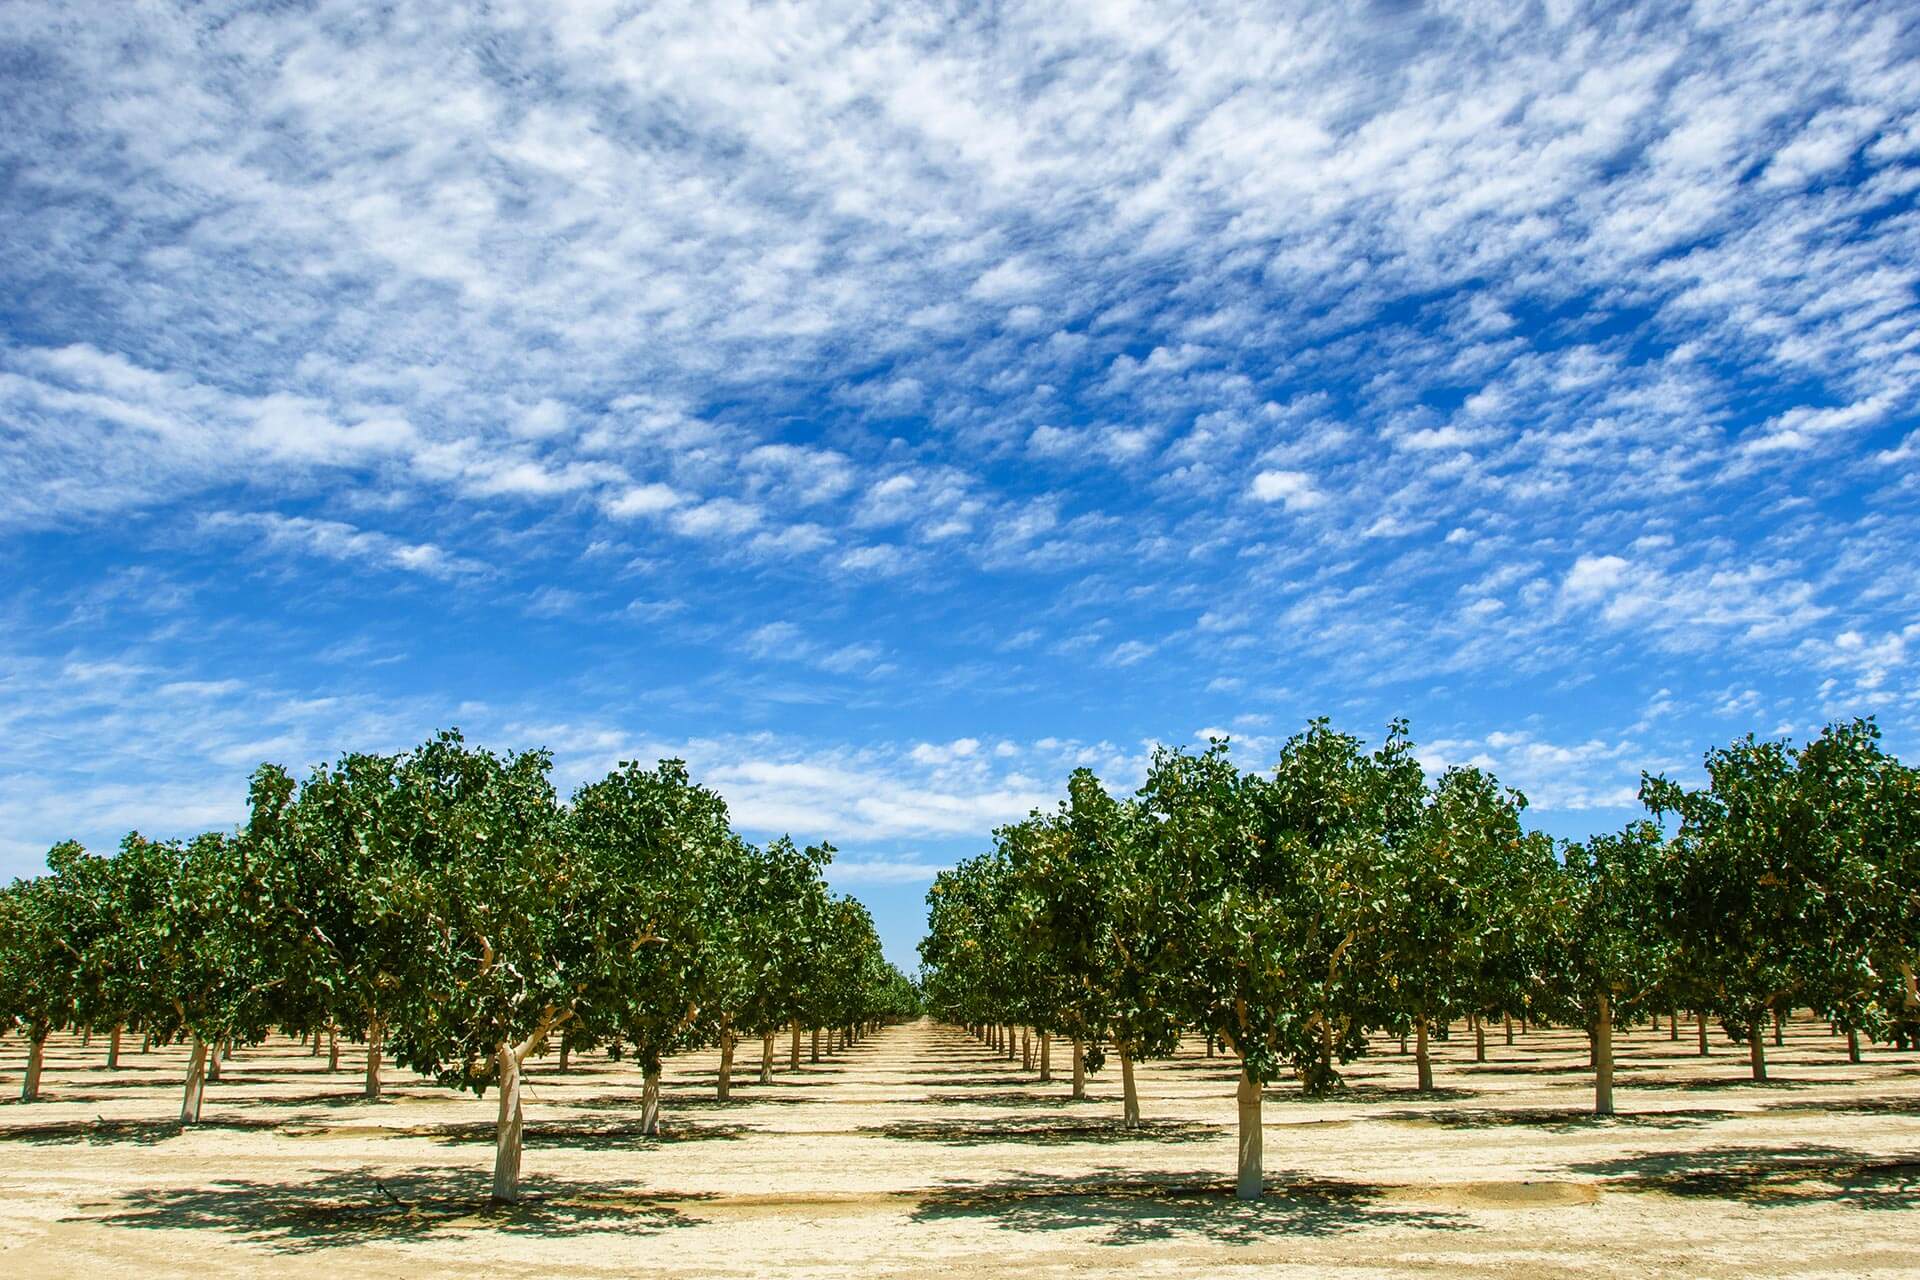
column 1194, row 1205
column 106, row 1133
column 1770, row 1177
column 967, row 1133
column 1007, row 1099
column 1852, row 1106
column 590, row 1136
column 1556, row 1120
column 360, row 1206
column 1732, row 1082
column 1365, row 1093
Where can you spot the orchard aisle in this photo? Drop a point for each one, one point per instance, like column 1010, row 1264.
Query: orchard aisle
column 921, row 1151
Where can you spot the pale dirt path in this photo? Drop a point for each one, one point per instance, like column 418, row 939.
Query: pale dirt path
column 920, row 1153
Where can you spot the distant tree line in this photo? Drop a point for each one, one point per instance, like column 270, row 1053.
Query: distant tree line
column 1292, row 915
column 445, row 908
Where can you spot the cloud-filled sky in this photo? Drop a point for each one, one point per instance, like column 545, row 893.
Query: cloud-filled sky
column 888, row 408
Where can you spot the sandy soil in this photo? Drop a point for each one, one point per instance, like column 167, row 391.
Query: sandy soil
column 918, row 1152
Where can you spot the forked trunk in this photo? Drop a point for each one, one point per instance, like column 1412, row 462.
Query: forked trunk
column 36, row 1060
column 374, row 1047
column 766, row 1058
column 1423, row 1060
column 815, row 1057
column 1129, row 1096
column 113, row 1046
column 1757, row 1048
column 196, row 1082
column 509, row 1128
column 725, row 1085
column 793, row 1057
column 650, row 1102
column 1046, row 1058
column 1251, row 1174
column 1700, row 1020
column 1603, row 1058
column 1079, row 1070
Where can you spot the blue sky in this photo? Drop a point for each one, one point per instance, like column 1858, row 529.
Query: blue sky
column 889, row 408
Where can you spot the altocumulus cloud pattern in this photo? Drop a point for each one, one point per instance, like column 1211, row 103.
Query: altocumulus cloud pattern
column 888, row 407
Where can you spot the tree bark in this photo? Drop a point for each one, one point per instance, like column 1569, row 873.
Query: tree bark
column 793, row 1056
column 1603, row 1057
column 650, row 1102
column 509, row 1130
column 1673, row 1024
column 1779, row 1027
column 333, row 1049
column 1079, row 1070
column 1423, row 1060
column 213, row 1060
column 566, row 1054
column 1046, row 1057
column 1700, row 1017
column 36, row 1061
column 725, row 1085
column 1853, row 1045
column 1026, row 1048
column 1129, row 1096
column 1251, row 1172
column 1479, row 1039
column 1509, row 1029
column 816, row 1045
column 1757, row 1048
column 374, row 1047
column 196, row 1082
column 766, row 1058
column 113, row 1046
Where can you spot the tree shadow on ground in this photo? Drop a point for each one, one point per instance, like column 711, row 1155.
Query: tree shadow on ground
column 1191, row 1205
column 1850, row 1106
column 368, row 1205
column 590, row 1135
column 1555, row 1120
column 1009, row 1098
column 1367, row 1093
column 108, row 1133
column 1720, row 1083
column 968, row 1133
column 1769, row 1177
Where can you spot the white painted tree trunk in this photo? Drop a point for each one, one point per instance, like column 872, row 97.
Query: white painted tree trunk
column 1603, row 1057
column 1129, row 1096
column 196, row 1082
column 650, row 1103
column 509, row 1130
column 36, row 1062
column 213, row 1060
column 1423, row 1059
column 766, row 1058
column 375, row 1045
column 1252, row 1171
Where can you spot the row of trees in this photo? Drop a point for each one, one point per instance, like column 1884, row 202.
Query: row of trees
column 443, row 906
column 1293, row 915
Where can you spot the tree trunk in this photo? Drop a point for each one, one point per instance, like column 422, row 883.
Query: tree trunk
column 509, row 1129
column 1046, row 1057
column 1853, row 1045
column 566, row 1053
column 1779, row 1028
column 1673, row 1024
column 1757, row 1048
column 1509, row 1029
column 725, row 1085
column 374, row 1047
column 36, row 1060
column 793, row 1056
column 1079, row 1070
column 1129, row 1096
column 146, row 1042
column 816, row 1045
column 1251, row 1174
column 213, row 1061
column 313, row 1050
column 650, row 1102
column 1603, row 1058
column 1026, row 1048
column 1479, row 1039
column 1700, row 1018
column 196, row 1082
column 113, row 1046
column 1209, row 1044
column 766, row 1058
column 1423, row 1060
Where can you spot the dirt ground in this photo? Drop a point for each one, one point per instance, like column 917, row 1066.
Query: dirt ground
column 919, row 1152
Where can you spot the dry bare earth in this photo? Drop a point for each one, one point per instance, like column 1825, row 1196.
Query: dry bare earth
column 919, row 1152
